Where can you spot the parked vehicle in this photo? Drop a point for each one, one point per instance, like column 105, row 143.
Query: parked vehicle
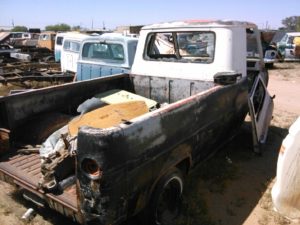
column 286, row 47
column 70, row 51
column 47, row 40
column 105, row 55
column 269, row 48
column 286, row 190
column 6, row 50
column 149, row 128
column 19, row 36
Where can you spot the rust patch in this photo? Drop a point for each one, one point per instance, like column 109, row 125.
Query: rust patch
column 4, row 140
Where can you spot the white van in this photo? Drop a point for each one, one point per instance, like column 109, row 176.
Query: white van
column 70, row 51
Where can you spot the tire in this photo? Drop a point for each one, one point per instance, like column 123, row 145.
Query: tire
column 269, row 65
column 165, row 205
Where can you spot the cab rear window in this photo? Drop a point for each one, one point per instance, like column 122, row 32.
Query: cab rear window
column 103, row 51
column 189, row 46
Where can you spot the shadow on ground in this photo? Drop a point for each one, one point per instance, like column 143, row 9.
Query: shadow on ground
column 226, row 188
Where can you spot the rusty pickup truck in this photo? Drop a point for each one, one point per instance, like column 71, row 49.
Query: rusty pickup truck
column 197, row 82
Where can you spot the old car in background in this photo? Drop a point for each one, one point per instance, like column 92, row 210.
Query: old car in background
column 287, row 46
column 46, row 40
column 70, row 51
column 269, row 48
column 106, row 54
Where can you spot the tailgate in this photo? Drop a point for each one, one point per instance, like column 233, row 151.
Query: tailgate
column 24, row 172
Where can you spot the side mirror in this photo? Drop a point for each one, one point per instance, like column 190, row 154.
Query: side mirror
column 226, row 78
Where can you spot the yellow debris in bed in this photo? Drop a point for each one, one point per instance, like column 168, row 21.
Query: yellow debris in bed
column 108, row 116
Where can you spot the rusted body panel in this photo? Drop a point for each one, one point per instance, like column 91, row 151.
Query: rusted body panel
column 47, row 40
column 134, row 155
column 195, row 117
column 19, row 108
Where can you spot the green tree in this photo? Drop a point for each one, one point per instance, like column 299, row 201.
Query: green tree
column 291, row 23
column 19, row 29
column 58, row 27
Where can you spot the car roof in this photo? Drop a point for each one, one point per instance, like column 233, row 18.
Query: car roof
column 200, row 23
column 293, row 33
column 111, row 37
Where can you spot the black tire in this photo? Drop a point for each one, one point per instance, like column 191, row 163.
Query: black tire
column 269, row 65
column 165, row 205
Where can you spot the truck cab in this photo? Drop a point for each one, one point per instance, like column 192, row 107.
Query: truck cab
column 175, row 49
column 104, row 55
column 70, row 51
column 47, row 40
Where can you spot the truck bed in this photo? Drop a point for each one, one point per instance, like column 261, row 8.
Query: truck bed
column 24, row 171
column 32, row 114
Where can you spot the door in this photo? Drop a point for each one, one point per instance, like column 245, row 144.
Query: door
column 261, row 108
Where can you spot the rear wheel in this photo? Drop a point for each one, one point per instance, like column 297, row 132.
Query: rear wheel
column 165, row 205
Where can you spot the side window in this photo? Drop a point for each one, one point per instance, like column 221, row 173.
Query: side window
column 258, row 98
column 252, row 44
column 190, row 46
column 161, row 44
column 73, row 46
column 59, row 40
column 284, row 39
column 290, row 40
column 44, row 37
column 67, row 45
column 18, row 35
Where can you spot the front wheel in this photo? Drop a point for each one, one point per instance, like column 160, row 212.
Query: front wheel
column 165, row 205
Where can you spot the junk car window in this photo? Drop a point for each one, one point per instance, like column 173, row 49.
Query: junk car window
column 44, row 37
column 103, row 51
column 190, row 46
column 290, row 40
column 71, row 46
column 59, row 40
column 258, row 99
column 252, row 45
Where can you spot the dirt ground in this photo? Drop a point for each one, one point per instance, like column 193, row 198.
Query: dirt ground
column 232, row 188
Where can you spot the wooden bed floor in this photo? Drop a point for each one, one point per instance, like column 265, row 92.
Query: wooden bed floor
column 24, row 170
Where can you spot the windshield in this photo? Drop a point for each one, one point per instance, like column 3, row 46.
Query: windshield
column 103, row 51
column 190, row 46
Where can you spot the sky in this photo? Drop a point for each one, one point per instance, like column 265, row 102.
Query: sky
column 112, row 13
